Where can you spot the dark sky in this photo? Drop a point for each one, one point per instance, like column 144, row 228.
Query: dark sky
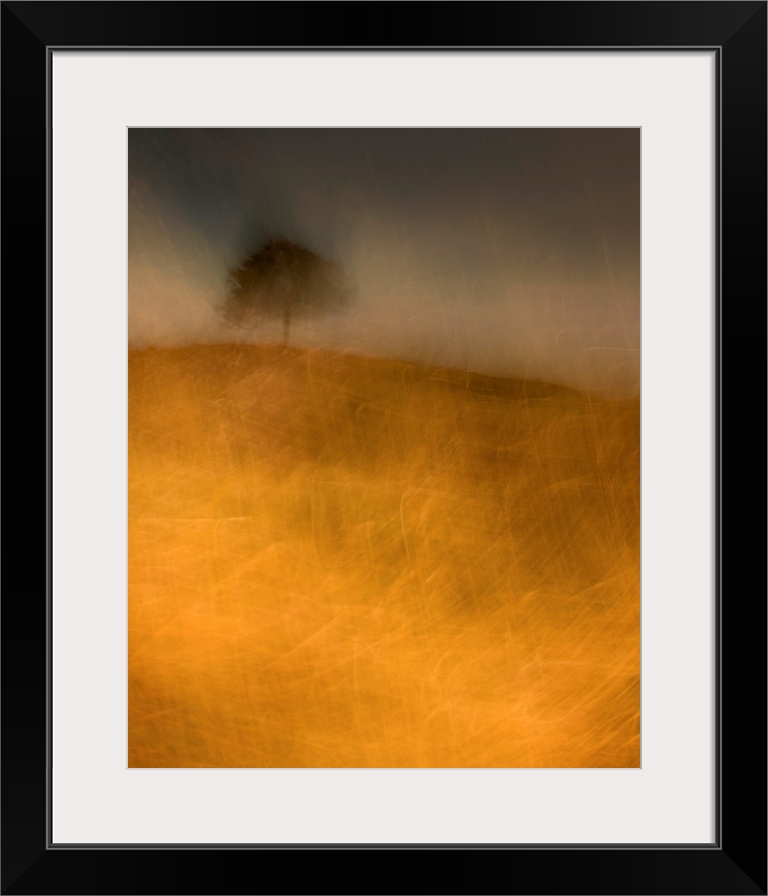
column 508, row 251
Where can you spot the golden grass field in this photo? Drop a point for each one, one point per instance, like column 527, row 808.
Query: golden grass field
column 340, row 561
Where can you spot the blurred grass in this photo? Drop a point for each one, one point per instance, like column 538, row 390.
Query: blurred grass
column 342, row 561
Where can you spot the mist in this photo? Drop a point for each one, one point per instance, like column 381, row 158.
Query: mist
column 513, row 252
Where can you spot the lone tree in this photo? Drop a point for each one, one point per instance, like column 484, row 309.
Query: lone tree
column 283, row 280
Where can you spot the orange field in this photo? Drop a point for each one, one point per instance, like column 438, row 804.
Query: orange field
column 341, row 561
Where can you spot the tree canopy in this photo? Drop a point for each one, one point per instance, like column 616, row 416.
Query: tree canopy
column 284, row 280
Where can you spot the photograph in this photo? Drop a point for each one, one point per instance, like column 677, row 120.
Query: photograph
column 384, row 447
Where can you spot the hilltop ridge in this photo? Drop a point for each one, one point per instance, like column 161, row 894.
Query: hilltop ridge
column 230, row 354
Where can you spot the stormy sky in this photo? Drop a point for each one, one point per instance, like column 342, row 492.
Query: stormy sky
column 505, row 251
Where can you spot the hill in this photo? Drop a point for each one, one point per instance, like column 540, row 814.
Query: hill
column 344, row 561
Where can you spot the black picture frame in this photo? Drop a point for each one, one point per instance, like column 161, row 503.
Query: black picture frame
column 736, row 862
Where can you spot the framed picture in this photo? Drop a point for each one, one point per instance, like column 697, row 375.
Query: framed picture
column 555, row 201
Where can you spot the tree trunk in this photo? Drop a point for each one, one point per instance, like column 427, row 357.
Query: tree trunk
column 286, row 322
